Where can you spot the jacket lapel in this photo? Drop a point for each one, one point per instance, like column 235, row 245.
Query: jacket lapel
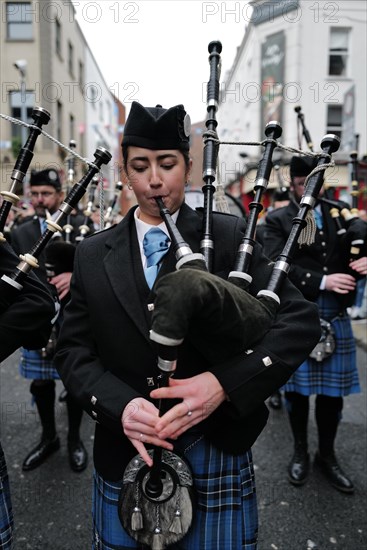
column 125, row 272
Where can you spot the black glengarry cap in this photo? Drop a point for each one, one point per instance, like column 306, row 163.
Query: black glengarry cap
column 157, row 128
column 301, row 166
column 46, row 177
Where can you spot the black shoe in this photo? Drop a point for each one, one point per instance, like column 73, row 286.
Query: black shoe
column 39, row 454
column 78, row 456
column 275, row 401
column 332, row 471
column 299, row 466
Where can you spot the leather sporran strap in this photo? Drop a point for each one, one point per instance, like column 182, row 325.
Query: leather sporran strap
column 157, row 522
column 326, row 345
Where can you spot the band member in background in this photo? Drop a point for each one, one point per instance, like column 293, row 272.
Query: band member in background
column 106, row 359
column 27, row 322
column 37, row 365
column 323, row 277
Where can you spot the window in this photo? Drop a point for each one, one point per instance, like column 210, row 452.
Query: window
column 338, row 52
column 109, row 116
column 19, row 21
column 334, row 119
column 71, row 59
column 58, row 37
column 21, row 108
column 71, row 127
column 81, row 74
column 59, row 121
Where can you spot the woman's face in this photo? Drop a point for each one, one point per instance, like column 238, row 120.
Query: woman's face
column 161, row 173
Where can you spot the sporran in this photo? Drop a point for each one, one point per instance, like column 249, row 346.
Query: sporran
column 163, row 520
column 326, row 345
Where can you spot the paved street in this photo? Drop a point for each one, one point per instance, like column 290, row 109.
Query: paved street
column 52, row 503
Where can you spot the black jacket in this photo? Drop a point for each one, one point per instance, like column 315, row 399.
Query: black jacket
column 25, row 320
column 25, row 235
column 105, row 357
column 328, row 254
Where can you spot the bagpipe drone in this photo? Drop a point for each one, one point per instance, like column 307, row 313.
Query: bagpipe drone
column 12, row 284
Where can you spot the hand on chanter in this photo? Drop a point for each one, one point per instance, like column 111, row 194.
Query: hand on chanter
column 139, row 420
column 200, row 395
column 360, row 265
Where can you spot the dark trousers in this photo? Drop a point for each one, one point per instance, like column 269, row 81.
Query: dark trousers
column 43, row 392
column 327, row 414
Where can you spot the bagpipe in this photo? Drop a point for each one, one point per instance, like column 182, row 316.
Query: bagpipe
column 349, row 227
column 157, row 504
column 110, row 212
column 60, row 251
column 11, row 285
column 25, row 156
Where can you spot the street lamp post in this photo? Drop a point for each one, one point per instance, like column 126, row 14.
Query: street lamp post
column 21, row 66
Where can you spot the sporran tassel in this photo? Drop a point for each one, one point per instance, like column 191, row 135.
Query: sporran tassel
column 137, row 516
column 307, row 235
column 176, row 525
column 158, row 541
column 136, row 519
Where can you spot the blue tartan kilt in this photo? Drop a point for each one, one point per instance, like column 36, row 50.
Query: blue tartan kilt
column 225, row 517
column 33, row 366
column 336, row 376
column 6, row 513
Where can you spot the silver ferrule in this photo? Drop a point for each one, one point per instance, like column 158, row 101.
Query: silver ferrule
column 261, row 182
column 206, row 243
column 66, row 208
column 308, row 199
column 212, row 103
column 17, row 175
column 245, row 247
column 209, row 172
column 182, row 251
column 167, row 366
column 282, row 265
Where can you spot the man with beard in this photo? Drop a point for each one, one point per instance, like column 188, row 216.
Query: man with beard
column 37, row 365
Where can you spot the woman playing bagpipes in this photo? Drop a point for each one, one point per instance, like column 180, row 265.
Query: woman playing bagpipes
column 106, row 359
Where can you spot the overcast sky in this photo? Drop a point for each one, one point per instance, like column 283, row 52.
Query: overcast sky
column 157, row 51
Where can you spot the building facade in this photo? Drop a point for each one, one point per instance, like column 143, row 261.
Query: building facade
column 295, row 53
column 45, row 61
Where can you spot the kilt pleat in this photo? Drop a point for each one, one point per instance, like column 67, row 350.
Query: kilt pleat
column 6, row 512
column 33, row 366
column 226, row 513
column 336, row 376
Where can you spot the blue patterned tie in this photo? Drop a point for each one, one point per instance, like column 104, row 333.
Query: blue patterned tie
column 155, row 244
column 318, row 218
column 43, row 226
